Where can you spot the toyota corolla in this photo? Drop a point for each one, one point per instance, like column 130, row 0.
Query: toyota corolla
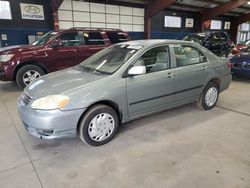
column 121, row 83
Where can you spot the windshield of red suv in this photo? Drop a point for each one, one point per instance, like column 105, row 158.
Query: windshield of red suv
column 45, row 38
column 110, row 59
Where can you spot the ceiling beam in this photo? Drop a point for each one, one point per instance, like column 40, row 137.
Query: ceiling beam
column 158, row 5
column 223, row 8
column 244, row 18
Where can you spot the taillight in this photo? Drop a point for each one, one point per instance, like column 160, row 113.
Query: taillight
column 230, row 65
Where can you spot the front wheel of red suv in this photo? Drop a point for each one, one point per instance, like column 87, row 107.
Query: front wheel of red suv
column 27, row 74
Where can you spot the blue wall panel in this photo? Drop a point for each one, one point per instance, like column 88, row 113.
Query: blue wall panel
column 19, row 35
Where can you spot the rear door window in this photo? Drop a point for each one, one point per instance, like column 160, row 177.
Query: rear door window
column 70, row 39
column 116, row 37
column 188, row 55
column 93, row 38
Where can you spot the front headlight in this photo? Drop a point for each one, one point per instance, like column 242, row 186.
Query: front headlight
column 50, row 102
column 6, row 57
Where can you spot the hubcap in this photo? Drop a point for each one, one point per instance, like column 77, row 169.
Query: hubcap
column 101, row 127
column 30, row 76
column 211, row 96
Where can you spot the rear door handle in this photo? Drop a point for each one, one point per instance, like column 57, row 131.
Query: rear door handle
column 169, row 75
column 200, row 69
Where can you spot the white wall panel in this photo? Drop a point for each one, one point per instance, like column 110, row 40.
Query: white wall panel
column 125, row 10
column 81, row 16
column 126, row 27
column 65, row 24
column 113, row 26
column 138, row 12
column 82, row 24
column 81, row 6
column 66, row 5
column 138, row 20
column 138, row 28
column 65, row 15
column 96, row 7
column 126, row 19
column 98, row 15
column 98, row 25
column 110, row 18
column 113, row 9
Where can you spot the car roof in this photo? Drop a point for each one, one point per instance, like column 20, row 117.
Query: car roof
column 152, row 42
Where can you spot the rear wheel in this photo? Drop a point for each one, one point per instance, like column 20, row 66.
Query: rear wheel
column 99, row 125
column 27, row 74
column 209, row 96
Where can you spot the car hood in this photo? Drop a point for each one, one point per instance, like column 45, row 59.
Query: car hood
column 19, row 48
column 62, row 82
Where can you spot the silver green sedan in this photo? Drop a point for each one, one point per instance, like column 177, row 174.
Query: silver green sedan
column 119, row 84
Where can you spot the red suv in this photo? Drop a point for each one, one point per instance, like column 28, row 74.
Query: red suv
column 54, row 51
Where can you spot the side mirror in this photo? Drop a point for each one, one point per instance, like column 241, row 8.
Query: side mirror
column 56, row 43
column 137, row 70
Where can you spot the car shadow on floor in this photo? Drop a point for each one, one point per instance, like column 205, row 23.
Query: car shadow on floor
column 10, row 87
column 241, row 79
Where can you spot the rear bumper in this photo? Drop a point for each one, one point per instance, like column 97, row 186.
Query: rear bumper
column 225, row 82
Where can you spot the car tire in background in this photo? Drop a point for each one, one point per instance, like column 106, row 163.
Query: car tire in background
column 27, row 74
column 209, row 96
column 98, row 125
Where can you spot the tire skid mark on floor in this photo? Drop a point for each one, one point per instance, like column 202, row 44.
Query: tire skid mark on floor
column 231, row 110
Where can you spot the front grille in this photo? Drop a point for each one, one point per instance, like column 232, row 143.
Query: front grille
column 237, row 65
column 247, row 66
column 25, row 99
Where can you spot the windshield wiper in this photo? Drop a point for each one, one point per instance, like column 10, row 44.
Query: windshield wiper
column 89, row 69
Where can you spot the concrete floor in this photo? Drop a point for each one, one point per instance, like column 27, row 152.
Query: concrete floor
column 184, row 147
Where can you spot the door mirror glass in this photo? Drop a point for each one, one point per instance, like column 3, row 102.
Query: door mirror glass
column 56, row 43
column 137, row 70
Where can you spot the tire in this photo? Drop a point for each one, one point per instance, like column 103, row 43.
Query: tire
column 22, row 77
column 87, row 129
column 203, row 103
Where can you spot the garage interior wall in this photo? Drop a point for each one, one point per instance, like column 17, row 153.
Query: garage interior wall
column 95, row 15
column 18, row 29
column 243, row 32
column 158, row 30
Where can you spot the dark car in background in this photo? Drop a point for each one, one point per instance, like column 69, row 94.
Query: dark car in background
column 218, row 42
column 54, row 51
column 241, row 63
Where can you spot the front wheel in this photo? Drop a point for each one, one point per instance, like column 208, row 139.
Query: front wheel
column 27, row 74
column 98, row 126
column 209, row 96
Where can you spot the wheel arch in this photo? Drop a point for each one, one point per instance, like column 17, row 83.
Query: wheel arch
column 109, row 103
column 20, row 65
column 217, row 81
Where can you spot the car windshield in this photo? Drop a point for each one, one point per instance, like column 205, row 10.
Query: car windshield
column 195, row 38
column 45, row 38
column 246, row 42
column 110, row 59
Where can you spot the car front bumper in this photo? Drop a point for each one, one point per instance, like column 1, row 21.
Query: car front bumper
column 49, row 124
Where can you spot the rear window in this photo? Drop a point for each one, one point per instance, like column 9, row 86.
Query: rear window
column 116, row 37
